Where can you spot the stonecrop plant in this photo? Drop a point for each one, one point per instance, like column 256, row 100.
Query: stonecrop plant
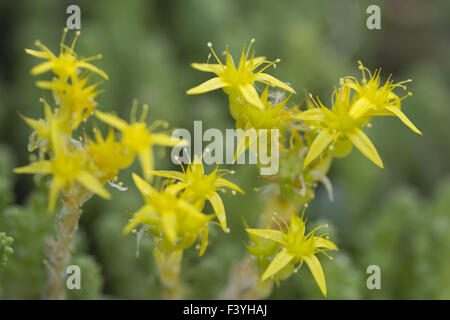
column 309, row 141
column 79, row 166
column 174, row 211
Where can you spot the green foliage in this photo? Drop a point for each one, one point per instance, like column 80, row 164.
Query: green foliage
column 397, row 218
column 5, row 248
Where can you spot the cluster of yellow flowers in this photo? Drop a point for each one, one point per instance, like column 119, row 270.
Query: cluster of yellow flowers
column 309, row 140
column 82, row 164
column 81, row 167
column 173, row 210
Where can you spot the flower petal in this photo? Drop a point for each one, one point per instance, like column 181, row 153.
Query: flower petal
column 219, row 209
column 147, row 162
column 220, row 182
column 210, row 85
column 112, row 120
column 258, row 61
column 41, row 68
column 270, row 234
column 324, row 243
column 251, row 95
column 363, row 143
column 145, row 188
column 317, row 272
column 39, row 54
column 40, row 167
column 90, row 67
column 267, row 78
column 169, row 224
column 208, row 67
column 278, row 263
column 359, row 108
column 319, row 144
column 395, row 110
column 168, row 174
column 166, row 140
column 91, row 183
column 204, row 242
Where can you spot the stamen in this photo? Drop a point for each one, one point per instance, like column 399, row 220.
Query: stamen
column 214, row 53
column 134, row 111
column 63, row 39
column 77, row 34
column 268, row 65
column 144, row 113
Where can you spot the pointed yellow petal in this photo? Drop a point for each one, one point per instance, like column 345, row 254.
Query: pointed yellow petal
column 90, row 67
column 311, row 115
column 267, row 78
column 39, row 125
column 363, row 143
column 208, row 67
column 166, row 140
column 251, row 95
column 91, row 183
column 38, row 54
column 220, row 182
column 112, row 120
column 324, row 243
column 319, row 144
column 173, row 189
column 210, row 85
column 41, row 68
column 40, row 167
column 219, row 209
column 403, row 117
column 147, row 163
column 168, row 174
column 317, row 272
column 258, row 61
column 359, row 108
column 144, row 215
column 145, row 188
column 270, row 234
column 279, row 262
column 204, row 242
column 169, row 224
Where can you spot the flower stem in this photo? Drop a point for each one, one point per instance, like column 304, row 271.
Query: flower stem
column 58, row 250
column 169, row 266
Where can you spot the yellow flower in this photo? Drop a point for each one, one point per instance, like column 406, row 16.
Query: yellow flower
column 199, row 186
column 375, row 99
column 43, row 128
column 76, row 98
column 66, row 64
column 238, row 81
column 271, row 116
column 67, row 167
column 108, row 155
column 340, row 124
column 297, row 247
column 136, row 137
column 180, row 222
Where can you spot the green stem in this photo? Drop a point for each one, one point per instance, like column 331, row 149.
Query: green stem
column 58, row 250
column 169, row 266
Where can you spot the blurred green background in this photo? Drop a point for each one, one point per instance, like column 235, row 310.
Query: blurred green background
column 397, row 218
